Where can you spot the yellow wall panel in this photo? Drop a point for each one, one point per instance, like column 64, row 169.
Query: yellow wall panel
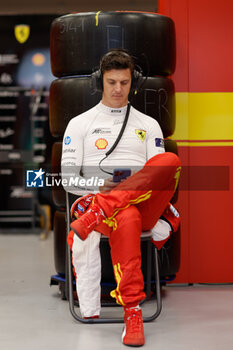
column 204, row 117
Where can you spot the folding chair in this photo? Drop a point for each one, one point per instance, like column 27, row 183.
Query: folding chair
column 146, row 236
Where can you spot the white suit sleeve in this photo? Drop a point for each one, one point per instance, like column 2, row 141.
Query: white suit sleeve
column 155, row 141
column 72, row 159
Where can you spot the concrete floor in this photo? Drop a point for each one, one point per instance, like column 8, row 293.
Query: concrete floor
column 32, row 315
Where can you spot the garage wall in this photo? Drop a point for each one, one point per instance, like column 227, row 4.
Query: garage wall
column 204, row 133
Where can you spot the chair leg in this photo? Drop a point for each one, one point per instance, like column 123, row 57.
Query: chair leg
column 148, row 270
column 157, row 279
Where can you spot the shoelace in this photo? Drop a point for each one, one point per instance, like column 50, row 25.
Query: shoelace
column 135, row 321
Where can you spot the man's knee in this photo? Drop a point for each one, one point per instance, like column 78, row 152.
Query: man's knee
column 129, row 216
column 165, row 159
column 172, row 159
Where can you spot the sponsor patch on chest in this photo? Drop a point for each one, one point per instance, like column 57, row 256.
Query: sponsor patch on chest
column 101, row 131
column 101, row 143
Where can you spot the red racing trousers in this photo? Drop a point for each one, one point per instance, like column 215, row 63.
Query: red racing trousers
column 135, row 205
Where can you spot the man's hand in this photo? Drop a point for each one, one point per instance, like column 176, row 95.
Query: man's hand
column 108, row 185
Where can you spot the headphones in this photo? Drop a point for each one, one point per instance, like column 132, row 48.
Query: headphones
column 97, row 77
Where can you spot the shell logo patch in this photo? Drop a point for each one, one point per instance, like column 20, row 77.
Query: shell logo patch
column 101, row 143
column 22, row 32
column 141, row 134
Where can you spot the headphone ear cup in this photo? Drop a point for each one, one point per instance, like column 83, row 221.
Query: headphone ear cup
column 137, row 80
column 96, row 81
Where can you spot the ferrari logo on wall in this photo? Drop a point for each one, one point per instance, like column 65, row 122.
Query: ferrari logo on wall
column 22, row 32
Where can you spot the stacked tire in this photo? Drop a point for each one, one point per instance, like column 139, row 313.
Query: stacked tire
column 77, row 42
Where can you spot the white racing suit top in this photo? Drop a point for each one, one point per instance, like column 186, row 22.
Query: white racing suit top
column 86, row 140
column 90, row 135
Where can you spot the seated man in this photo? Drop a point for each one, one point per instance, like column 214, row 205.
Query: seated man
column 119, row 210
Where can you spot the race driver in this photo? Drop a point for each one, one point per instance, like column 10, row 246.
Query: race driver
column 119, row 210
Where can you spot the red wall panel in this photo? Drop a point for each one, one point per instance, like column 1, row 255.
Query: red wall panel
column 204, row 44
column 204, row 34
column 210, row 45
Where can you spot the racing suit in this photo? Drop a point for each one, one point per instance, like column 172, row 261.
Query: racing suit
column 138, row 206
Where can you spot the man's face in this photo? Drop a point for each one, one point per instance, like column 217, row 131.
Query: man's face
column 117, row 83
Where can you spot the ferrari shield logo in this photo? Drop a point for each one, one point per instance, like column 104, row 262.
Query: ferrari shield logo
column 141, row 134
column 22, row 32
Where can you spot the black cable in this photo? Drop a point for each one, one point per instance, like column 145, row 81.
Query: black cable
column 117, row 140
column 131, row 97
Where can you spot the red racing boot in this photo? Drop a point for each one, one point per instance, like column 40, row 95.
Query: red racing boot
column 133, row 333
column 87, row 222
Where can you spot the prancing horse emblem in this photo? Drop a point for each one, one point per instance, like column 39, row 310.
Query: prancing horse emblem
column 141, row 134
column 22, row 32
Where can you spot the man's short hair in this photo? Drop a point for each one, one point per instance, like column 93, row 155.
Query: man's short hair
column 116, row 59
